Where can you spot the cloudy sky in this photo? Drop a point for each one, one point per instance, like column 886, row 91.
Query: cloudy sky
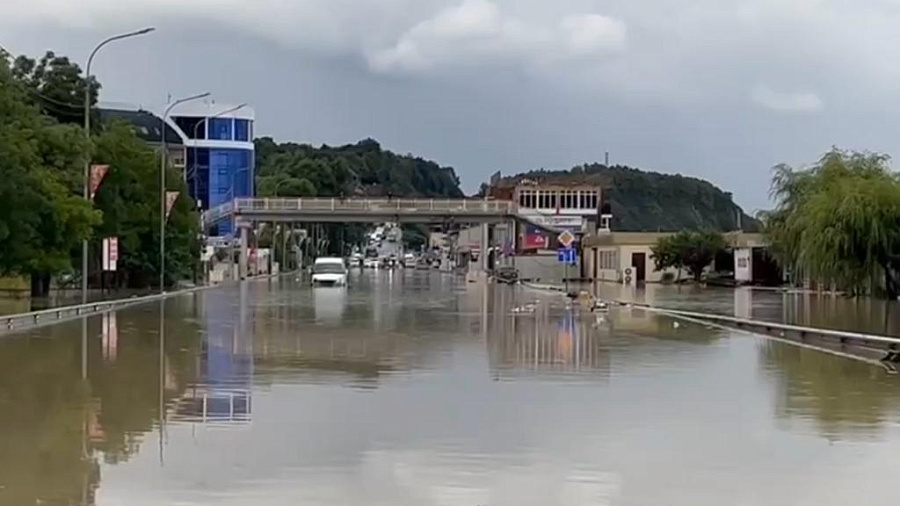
column 719, row 89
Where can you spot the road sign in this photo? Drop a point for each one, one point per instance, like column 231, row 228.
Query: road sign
column 110, row 253
column 567, row 256
column 566, row 238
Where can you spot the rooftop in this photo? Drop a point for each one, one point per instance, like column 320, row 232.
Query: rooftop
column 147, row 126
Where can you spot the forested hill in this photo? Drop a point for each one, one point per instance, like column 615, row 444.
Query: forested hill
column 650, row 201
column 354, row 169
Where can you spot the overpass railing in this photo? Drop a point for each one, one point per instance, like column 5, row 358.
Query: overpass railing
column 460, row 207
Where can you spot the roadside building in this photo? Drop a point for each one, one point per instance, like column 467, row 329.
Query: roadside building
column 547, row 206
column 147, row 126
column 219, row 152
column 209, row 142
column 628, row 257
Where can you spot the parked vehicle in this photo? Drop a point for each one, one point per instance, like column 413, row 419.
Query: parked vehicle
column 507, row 275
column 329, row 271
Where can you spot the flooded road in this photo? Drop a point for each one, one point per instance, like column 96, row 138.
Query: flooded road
column 862, row 314
column 416, row 389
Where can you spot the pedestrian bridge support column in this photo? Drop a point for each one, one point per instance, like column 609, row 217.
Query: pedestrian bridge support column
column 485, row 247
column 244, row 261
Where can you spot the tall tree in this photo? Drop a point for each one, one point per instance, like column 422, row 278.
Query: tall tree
column 41, row 219
column 129, row 199
column 56, row 85
column 838, row 222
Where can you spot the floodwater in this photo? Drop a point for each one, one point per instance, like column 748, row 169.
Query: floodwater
column 862, row 314
column 412, row 388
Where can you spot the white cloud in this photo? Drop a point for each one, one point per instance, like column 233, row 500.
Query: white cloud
column 478, row 32
column 591, row 33
column 765, row 96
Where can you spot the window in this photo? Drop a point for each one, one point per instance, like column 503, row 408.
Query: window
column 221, row 129
column 191, row 125
column 608, row 260
column 230, row 174
column 242, row 130
column 553, row 196
column 526, row 199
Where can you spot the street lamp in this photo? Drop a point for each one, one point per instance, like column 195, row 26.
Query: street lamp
column 278, row 185
column 87, row 134
column 205, row 121
column 162, row 188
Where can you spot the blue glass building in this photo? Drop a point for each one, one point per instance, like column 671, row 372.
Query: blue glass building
column 219, row 153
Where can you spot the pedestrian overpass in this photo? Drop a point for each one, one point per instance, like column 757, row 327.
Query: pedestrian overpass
column 361, row 210
column 245, row 212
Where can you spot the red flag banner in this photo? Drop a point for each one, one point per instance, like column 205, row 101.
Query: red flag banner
column 98, row 172
column 171, row 197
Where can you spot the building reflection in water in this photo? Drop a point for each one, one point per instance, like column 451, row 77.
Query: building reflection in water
column 546, row 341
column 222, row 389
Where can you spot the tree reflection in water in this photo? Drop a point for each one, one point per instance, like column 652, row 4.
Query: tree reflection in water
column 841, row 398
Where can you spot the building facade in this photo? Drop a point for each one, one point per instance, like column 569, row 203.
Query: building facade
column 219, row 153
column 609, row 256
column 571, row 207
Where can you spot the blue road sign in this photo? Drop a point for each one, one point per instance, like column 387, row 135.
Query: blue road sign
column 567, row 256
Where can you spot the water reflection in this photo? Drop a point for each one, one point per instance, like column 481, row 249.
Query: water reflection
column 428, row 391
column 330, row 304
column 809, row 309
column 221, row 391
column 840, row 398
column 544, row 343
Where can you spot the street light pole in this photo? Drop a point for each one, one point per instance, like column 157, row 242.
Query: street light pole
column 87, row 135
column 277, row 185
column 164, row 161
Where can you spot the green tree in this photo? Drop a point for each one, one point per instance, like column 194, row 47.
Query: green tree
column 41, row 218
column 56, row 85
column 693, row 251
column 129, row 198
column 363, row 168
column 838, row 222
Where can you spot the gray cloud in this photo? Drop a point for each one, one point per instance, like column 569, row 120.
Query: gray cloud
column 710, row 88
column 765, row 96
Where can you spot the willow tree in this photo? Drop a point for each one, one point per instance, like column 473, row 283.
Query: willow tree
column 838, row 221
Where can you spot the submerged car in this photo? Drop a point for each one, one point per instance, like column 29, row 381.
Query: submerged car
column 329, row 271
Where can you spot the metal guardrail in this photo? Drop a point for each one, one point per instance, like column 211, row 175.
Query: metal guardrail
column 843, row 336
column 59, row 314
column 886, row 344
column 11, row 323
column 460, row 207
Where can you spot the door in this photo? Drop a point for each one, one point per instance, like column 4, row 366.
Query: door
column 639, row 262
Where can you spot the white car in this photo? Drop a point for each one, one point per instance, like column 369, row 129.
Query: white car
column 371, row 263
column 329, row 271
